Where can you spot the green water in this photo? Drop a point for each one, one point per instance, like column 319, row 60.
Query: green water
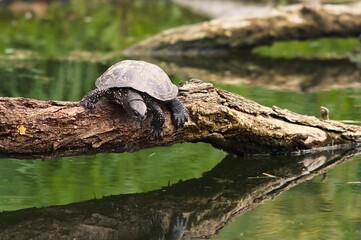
column 316, row 209
column 73, row 179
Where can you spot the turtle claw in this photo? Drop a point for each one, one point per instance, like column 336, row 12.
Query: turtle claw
column 87, row 104
column 179, row 113
column 92, row 97
column 180, row 118
column 156, row 131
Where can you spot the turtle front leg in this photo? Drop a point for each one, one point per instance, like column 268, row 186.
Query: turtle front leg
column 179, row 112
column 92, row 97
column 158, row 116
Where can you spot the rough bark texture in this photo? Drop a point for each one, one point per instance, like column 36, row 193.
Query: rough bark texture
column 296, row 22
column 44, row 129
column 233, row 187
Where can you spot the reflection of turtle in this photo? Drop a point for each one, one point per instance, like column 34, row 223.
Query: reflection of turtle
column 138, row 85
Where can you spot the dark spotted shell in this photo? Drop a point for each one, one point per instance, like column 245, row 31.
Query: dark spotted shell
column 141, row 76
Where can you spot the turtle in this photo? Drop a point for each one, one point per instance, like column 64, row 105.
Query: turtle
column 139, row 87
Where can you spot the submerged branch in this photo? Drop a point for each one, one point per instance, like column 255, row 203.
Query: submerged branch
column 45, row 129
column 221, row 35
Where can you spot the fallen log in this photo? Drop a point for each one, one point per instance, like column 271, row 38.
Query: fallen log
column 31, row 128
column 298, row 75
column 206, row 205
column 297, row 22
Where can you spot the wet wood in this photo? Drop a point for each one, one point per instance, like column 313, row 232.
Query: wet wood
column 32, row 128
column 233, row 187
column 297, row 22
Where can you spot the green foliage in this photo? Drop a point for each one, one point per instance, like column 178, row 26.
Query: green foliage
column 319, row 48
column 93, row 27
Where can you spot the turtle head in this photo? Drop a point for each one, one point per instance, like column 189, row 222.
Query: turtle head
column 135, row 106
column 137, row 109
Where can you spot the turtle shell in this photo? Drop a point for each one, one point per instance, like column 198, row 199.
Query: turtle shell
column 141, row 76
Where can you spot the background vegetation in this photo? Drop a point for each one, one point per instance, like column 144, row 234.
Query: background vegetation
column 78, row 25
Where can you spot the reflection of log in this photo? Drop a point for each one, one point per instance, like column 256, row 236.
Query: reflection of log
column 233, row 187
column 32, row 128
column 225, row 34
column 304, row 75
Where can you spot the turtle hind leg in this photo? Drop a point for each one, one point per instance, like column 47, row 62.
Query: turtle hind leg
column 92, row 97
column 179, row 112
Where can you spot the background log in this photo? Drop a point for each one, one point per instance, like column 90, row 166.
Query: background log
column 221, row 35
column 298, row 75
column 44, row 129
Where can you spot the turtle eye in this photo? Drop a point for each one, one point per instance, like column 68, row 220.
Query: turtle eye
column 136, row 113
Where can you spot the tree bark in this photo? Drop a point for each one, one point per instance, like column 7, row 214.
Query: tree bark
column 222, row 35
column 45, row 129
column 233, row 187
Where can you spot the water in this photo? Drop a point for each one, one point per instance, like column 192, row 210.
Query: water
column 311, row 210
column 315, row 209
column 73, row 179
